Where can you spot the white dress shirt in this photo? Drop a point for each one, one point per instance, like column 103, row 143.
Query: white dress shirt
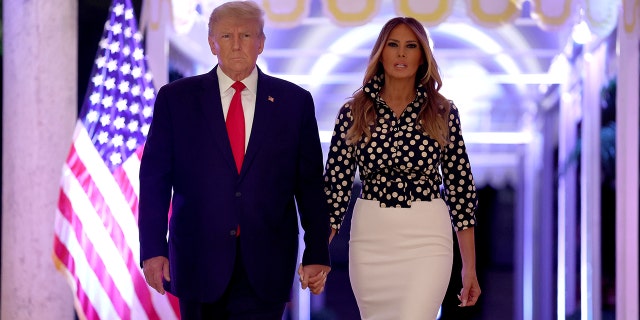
column 248, row 98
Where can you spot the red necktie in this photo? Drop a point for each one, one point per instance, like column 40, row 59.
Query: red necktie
column 235, row 125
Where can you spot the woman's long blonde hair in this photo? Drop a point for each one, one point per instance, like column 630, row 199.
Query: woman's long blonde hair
column 433, row 117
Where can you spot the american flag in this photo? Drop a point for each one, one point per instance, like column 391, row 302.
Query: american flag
column 96, row 226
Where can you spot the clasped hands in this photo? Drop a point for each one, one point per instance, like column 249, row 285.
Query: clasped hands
column 314, row 277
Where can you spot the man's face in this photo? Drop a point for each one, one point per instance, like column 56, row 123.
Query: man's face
column 237, row 44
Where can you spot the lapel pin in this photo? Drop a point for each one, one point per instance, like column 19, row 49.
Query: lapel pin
column 270, row 98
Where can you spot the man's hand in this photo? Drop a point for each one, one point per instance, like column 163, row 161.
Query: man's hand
column 154, row 270
column 313, row 276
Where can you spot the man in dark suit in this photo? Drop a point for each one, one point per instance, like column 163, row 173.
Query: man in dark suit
column 232, row 244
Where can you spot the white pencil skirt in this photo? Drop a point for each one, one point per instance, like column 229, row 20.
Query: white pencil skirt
column 400, row 259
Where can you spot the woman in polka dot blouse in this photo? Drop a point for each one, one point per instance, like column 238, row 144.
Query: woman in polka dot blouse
column 398, row 131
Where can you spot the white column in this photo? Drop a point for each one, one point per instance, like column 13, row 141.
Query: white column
column 39, row 112
column 526, row 224
column 567, row 210
column 544, row 301
column 627, row 104
column 590, row 265
column 154, row 21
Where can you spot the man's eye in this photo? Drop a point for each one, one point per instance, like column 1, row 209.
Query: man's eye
column 225, row 36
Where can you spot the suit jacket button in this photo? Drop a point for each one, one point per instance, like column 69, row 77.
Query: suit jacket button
column 238, row 194
column 232, row 233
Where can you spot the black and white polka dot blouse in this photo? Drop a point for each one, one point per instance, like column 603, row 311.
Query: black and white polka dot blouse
column 400, row 164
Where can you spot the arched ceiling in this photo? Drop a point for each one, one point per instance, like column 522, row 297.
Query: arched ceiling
column 496, row 76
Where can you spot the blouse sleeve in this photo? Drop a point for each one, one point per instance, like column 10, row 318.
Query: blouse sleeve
column 340, row 169
column 459, row 187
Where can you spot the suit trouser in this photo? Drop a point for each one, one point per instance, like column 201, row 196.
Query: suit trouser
column 239, row 301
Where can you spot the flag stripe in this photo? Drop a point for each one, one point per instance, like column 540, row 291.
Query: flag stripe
column 129, row 183
column 137, row 311
column 123, row 177
column 94, row 213
column 91, row 190
column 95, row 265
column 174, row 303
column 68, row 263
column 106, row 185
column 143, row 292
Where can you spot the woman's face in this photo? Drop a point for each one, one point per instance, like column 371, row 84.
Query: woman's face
column 401, row 55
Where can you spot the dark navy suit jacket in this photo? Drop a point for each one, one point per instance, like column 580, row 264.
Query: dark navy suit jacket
column 188, row 152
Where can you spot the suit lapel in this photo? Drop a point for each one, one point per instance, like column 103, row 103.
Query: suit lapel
column 211, row 107
column 261, row 121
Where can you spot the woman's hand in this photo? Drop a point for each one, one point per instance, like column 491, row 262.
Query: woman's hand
column 333, row 234
column 314, row 277
column 470, row 289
